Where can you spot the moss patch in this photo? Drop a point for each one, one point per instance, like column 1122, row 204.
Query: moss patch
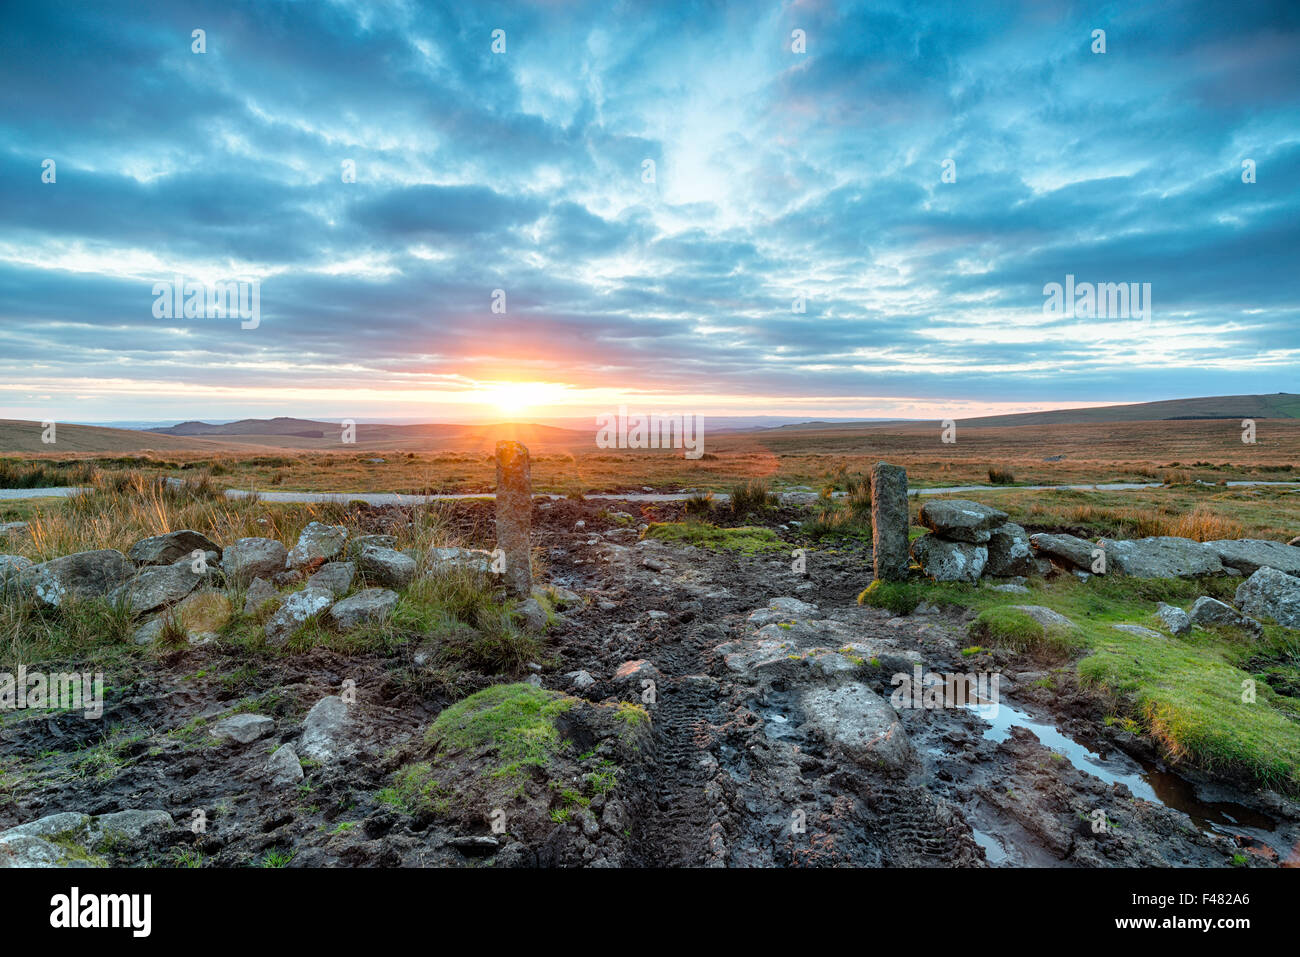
column 746, row 539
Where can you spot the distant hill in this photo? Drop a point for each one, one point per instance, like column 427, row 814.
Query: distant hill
column 17, row 435
column 1281, row 405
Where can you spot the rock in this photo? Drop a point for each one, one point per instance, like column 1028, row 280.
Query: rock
column 156, row 587
column 25, row 850
column 558, row 596
column 147, row 633
column 1175, row 619
column 287, row 577
column 10, row 568
column 1140, row 630
column 657, row 615
column 635, row 672
column 386, row 567
column 1211, row 611
column 170, row 548
column 335, row 576
column 889, row 522
column 781, row 609
column 1010, row 587
column 950, row 561
column 1045, row 616
column 131, row 825
column 323, row 730
column 961, row 520
column 1249, row 555
column 580, row 680
column 296, row 610
column 259, row 591
column 316, row 543
column 1272, row 594
column 1294, row 541
column 370, row 605
column 284, row 768
column 355, row 545
column 1160, row 557
column 514, row 506
column 251, row 558
column 12, row 529
column 864, row 725
column 533, row 614
column 471, row 559
column 82, row 575
column 1009, row 552
column 244, row 728
column 474, row 845
column 1067, row 549
column 62, row 824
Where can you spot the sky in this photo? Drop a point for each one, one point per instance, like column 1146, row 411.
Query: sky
column 820, row 209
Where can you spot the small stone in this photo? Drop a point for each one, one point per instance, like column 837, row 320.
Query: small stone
column 318, row 542
column 1139, row 630
column 636, row 671
column 323, row 729
column 259, row 591
column 296, row 610
column 243, row 728
column 1175, row 619
column 386, row 567
column 368, row 606
column 532, row 613
column 580, row 680
column 283, row 768
column 335, row 576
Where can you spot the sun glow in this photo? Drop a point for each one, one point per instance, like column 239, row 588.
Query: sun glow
column 514, row 398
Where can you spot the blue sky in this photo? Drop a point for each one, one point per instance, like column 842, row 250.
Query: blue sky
column 776, row 174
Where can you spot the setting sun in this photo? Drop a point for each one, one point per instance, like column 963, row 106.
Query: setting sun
column 513, row 398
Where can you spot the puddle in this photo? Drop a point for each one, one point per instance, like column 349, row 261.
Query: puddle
column 1152, row 783
column 993, row 849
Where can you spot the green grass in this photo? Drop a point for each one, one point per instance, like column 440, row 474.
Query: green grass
column 1185, row 693
column 745, row 539
column 516, row 720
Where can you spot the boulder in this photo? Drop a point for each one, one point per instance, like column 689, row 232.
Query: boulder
column 1066, row 550
column 1249, row 555
column 244, row 728
column 1175, row 619
column 1160, row 557
column 860, row 723
column 949, row 561
column 533, row 614
column 1009, row 553
column 251, row 558
column 323, row 730
column 370, row 605
column 889, row 521
column 131, row 825
column 171, row 548
column 1211, row 611
column 448, row 559
column 1140, row 630
column 781, row 609
column 259, row 590
column 283, row 768
column 635, row 672
column 62, row 824
column 961, row 520
column 336, row 576
column 26, row 850
column 296, row 610
column 317, row 542
column 1046, row 617
column 1272, row 594
column 157, row 586
column 355, row 545
column 11, row 566
column 83, row 575
column 386, row 567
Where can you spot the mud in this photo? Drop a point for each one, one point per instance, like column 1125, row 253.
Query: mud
column 735, row 771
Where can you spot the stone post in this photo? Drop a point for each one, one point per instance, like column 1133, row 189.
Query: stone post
column 889, row 520
column 515, row 516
